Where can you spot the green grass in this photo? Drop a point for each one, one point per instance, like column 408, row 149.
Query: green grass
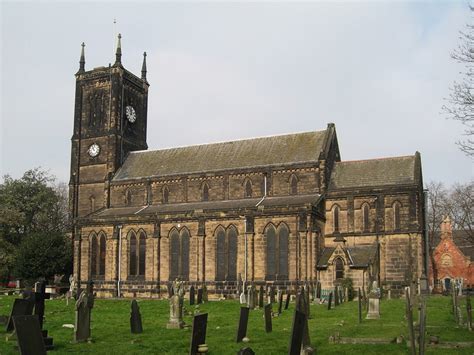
column 111, row 328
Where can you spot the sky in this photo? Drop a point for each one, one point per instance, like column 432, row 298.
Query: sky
column 220, row 71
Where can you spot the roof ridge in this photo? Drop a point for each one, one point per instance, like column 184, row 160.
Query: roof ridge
column 227, row 142
column 373, row 159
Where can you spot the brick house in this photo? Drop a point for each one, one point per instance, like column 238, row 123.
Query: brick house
column 279, row 210
column 453, row 257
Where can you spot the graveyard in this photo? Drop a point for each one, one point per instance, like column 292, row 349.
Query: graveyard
column 110, row 327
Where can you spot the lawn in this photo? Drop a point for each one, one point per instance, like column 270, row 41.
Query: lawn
column 111, row 328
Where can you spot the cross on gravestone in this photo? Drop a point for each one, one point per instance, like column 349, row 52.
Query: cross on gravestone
column 84, row 305
column 330, row 301
column 409, row 316
column 287, row 301
column 199, row 297
column 280, row 301
column 268, row 317
column 297, row 333
column 192, row 295
column 243, row 322
column 20, row 307
column 246, row 351
column 135, row 318
column 198, row 334
column 29, row 336
column 260, row 297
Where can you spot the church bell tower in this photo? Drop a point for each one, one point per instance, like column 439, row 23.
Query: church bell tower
column 110, row 120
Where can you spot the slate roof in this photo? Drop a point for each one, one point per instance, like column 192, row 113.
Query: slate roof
column 359, row 256
column 223, row 205
column 248, row 153
column 373, row 172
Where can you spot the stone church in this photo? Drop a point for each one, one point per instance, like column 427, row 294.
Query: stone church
column 281, row 210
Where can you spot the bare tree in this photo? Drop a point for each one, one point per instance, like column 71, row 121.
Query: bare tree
column 459, row 206
column 460, row 103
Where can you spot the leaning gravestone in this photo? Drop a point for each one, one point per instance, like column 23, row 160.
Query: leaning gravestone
column 268, row 317
column 199, row 297
column 287, row 301
column 20, row 307
column 243, row 322
column 136, row 326
column 192, row 295
column 84, row 305
column 29, row 336
column 297, row 333
column 198, row 335
column 260, row 297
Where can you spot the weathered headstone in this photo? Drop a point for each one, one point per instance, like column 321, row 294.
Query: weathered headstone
column 176, row 306
column 297, row 333
column 260, row 296
column 20, row 307
column 199, row 297
column 243, row 298
column 318, row 290
column 198, row 335
column 29, row 335
column 251, row 297
column 330, row 301
column 84, row 305
column 336, row 297
column 243, row 322
column 288, row 297
column 40, row 297
column 359, row 300
column 135, row 318
column 280, row 301
column 374, row 302
column 192, row 295
column 268, row 317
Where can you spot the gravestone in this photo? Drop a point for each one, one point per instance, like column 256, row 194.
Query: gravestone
column 246, row 351
column 199, row 298
column 280, row 301
column 374, row 302
column 336, row 296
column 330, row 301
column 192, row 296
column 243, row 322
column 272, row 295
column 268, row 317
column 135, row 319
column 198, row 334
column 422, row 327
column 29, row 335
column 84, row 305
column 469, row 312
column 409, row 317
column 243, row 298
column 318, row 290
column 176, row 306
column 307, row 302
column 360, row 306
column 260, row 296
column 341, row 295
column 204, row 294
column 297, row 333
column 20, row 307
column 40, row 297
column 251, row 297
column 287, row 301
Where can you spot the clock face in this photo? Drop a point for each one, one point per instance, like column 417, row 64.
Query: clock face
column 131, row 114
column 94, row 150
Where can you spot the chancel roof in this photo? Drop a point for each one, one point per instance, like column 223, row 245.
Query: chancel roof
column 249, row 153
column 374, row 172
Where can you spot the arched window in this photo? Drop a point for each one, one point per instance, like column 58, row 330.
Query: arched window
column 179, row 255
column 102, row 250
column 339, row 268
column 365, row 217
column 226, row 254
column 283, row 235
column 270, row 237
column 293, row 185
column 93, row 255
column 220, row 254
column 128, row 197
column 336, row 219
column 133, row 254
column 205, row 192
column 142, row 254
column 92, row 203
column 248, row 188
column 396, row 216
column 166, row 194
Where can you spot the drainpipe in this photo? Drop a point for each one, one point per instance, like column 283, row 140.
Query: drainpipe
column 245, row 251
column 265, row 191
column 119, row 261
